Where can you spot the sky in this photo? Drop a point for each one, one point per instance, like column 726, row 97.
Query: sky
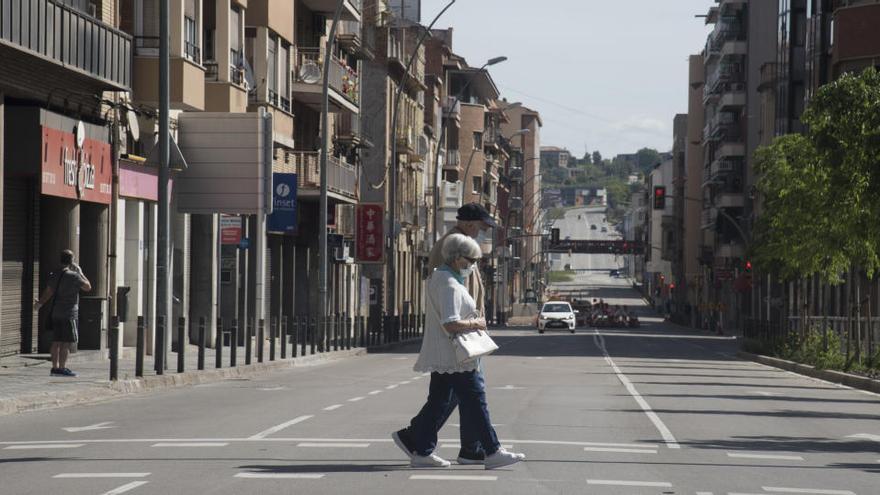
column 605, row 75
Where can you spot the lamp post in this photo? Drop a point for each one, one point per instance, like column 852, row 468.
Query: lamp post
column 437, row 167
column 392, row 193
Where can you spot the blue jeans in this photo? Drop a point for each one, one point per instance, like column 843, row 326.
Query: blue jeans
column 467, row 388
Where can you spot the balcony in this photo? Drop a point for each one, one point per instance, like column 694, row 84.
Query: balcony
column 345, row 220
column 350, row 38
column 708, row 218
column 733, row 96
column 398, row 56
column 453, row 160
column 407, row 140
column 186, row 76
column 722, row 167
column 63, row 41
column 730, row 199
column 348, row 128
column 342, row 178
column 408, row 213
column 726, row 250
column 452, row 108
column 308, row 80
column 351, row 8
column 731, row 150
column 722, row 79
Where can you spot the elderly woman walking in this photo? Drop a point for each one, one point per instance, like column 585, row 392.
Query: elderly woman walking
column 451, row 310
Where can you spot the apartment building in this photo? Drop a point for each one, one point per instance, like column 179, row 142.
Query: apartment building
column 58, row 92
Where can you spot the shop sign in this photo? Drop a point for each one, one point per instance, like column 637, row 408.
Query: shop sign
column 283, row 217
column 230, row 230
column 370, row 233
column 75, row 167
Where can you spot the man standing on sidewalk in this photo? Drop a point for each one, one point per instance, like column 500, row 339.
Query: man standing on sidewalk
column 473, row 221
column 63, row 289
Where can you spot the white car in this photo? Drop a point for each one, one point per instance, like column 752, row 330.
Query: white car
column 556, row 314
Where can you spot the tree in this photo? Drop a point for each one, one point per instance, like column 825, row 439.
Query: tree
column 647, row 158
column 597, row 158
column 820, row 190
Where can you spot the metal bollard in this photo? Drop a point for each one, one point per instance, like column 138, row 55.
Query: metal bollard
column 159, row 358
column 218, row 345
column 273, row 332
column 349, row 332
column 311, row 330
column 248, row 342
column 233, row 344
column 260, row 342
column 113, row 338
column 139, row 351
column 336, row 331
column 201, row 342
column 181, row 344
column 285, row 333
column 301, row 335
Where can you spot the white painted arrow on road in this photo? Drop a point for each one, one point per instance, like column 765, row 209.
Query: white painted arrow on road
column 97, row 426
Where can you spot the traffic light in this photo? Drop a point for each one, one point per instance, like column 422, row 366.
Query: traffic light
column 748, row 266
column 554, row 236
column 659, row 197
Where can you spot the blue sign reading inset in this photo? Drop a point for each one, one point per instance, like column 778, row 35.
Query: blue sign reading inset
column 283, row 217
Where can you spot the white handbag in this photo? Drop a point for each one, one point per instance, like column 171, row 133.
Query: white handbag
column 471, row 345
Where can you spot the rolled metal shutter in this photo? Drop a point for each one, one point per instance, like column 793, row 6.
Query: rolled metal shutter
column 15, row 235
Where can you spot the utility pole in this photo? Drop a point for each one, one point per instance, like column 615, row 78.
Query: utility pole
column 163, row 292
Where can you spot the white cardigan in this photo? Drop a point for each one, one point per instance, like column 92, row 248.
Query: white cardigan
column 447, row 301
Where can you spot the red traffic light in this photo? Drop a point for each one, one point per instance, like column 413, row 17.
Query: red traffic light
column 659, row 197
column 748, row 266
column 672, row 286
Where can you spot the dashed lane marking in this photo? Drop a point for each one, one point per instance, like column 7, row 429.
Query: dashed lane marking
column 275, row 429
column 506, row 446
column 100, row 475
column 671, row 442
column 809, row 491
column 374, row 392
column 286, row 476
column 333, row 445
column 778, row 457
column 390, row 387
column 333, row 407
column 190, row 444
column 45, row 446
column 452, row 477
column 619, row 450
column 125, row 488
column 405, row 382
column 657, row 484
column 355, row 399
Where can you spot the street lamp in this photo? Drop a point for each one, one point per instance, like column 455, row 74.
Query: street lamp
column 437, row 167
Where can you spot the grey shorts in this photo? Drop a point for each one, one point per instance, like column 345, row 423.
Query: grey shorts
column 64, row 330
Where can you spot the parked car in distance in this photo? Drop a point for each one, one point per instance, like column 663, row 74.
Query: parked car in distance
column 614, row 273
column 593, row 227
column 604, row 229
column 556, row 314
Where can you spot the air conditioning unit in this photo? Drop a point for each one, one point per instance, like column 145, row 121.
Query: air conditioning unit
column 341, row 254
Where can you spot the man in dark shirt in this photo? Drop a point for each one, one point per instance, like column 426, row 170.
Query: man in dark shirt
column 63, row 289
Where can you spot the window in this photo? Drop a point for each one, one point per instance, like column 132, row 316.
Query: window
column 235, row 42
column 478, row 185
column 272, row 70
column 478, row 140
column 285, row 77
column 190, row 43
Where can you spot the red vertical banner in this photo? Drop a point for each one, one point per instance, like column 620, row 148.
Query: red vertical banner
column 370, row 237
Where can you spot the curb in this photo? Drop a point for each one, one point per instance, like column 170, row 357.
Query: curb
column 839, row 377
column 104, row 391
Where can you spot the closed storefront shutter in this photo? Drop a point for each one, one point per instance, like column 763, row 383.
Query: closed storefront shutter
column 15, row 257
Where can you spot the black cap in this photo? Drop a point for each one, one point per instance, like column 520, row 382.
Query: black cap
column 475, row 211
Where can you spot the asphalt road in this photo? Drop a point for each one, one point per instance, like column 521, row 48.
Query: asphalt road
column 653, row 410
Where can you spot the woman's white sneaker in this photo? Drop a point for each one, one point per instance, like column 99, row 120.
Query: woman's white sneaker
column 431, row 460
column 503, row 458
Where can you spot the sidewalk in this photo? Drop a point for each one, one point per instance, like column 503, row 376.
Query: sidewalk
column 26, row 385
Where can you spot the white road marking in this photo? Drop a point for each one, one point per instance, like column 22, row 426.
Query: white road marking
column 355, row 399
column 704, row 493
column 374, row 392
column 765, row 394
column 333, row 407
column 190, row 444
column 333, row 445
column 508, row 387
column 101, row 475
column 452, row 477
column 619, row 450
column 405, row 382
column 275, row 429
column 659, row 484
column 810, row 491
column 671, row 442
column 740, row 455
column 96, row 426
column 539, row 357
column 389, row 387
column 865, row 436
column 494, row 425
column 400, row 358
column 416, row 377
column 268, row 476
column 506, row 446
column 125, row 488
column 270, row 389
column 45, row 446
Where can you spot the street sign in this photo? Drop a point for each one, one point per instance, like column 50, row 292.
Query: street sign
column 370, row 233
column 283, row 217
column 230, row 230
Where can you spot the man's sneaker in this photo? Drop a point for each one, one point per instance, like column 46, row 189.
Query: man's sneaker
column 431, row 460
column 56, row 372
column 401, row 439
column 503, row 458
column 468, row 459
column 66, row 372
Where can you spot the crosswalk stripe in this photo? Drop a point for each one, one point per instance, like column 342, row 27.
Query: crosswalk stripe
column 452, row 477
column 45, row 446
column 125, row 488
column 101, row 475
column 190, row 444
column 332, row 444
column 658, row 484
column 619, row 450
column 261, row 476
column 807, row 491
column 738, row 455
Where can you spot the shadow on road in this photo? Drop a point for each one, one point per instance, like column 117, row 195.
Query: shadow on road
column 787, row 444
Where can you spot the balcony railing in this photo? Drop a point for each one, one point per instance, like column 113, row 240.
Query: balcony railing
column 343, row 79
column 69, row 37
column 345, row 220
column 348, row 126
column 408, row 213
column 193, row 52
column 342, row 178
column 453, row 158
column 450, row 110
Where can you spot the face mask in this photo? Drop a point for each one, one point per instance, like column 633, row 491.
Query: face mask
column 466, row 272
column 481, row 237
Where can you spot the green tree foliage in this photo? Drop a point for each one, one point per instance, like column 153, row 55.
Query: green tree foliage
column 647, row 158
column 597, row 158
column 820, row 190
